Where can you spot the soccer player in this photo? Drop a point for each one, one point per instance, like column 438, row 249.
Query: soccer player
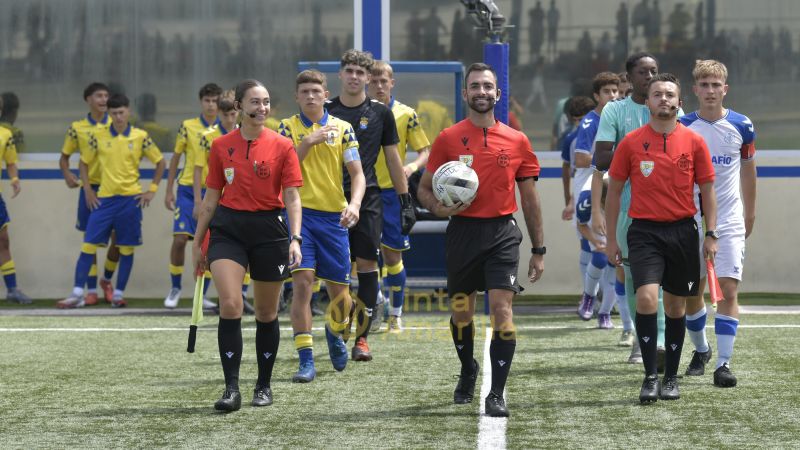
column 184, row 222
column 483, row 239
column 393, row 242
column 77, row 140
column 663, row 161
column 252, row 171
column 9, row 103
column 8, row 153
column 617, row 120
column 374, row 125
column 731, row 140
column 119, row 202
column 325, row 146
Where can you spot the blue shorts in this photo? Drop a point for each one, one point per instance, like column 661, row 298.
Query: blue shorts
column 326, row 247
column 391, row 237
column 120, row 213
column 4, row 218
column 83, row 210
column 184, row 223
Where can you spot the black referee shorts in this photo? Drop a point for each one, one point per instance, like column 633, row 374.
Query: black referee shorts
column 365, row 237
column 665, row 253
column 482, row 254
column 255, row 239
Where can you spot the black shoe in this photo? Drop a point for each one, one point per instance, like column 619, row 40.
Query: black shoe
column 495, row 405
column 247, row 307
column 669, row 389
column 697, row 366
column 649, row 392
column 262, row 396
column 661, row 357
column 465, row 389
column 231, row 400
column 723, row 376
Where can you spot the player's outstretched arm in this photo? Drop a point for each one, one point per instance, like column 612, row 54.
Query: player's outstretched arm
column 429, row 201
column 358, row 185
column 532, row 211
column 748, row 180
column 612, row 213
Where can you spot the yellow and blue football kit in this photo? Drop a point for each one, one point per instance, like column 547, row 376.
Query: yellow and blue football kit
column 190, row 135
column 8, row 153
column 77, row 140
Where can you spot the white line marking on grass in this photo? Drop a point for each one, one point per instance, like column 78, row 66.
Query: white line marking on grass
column 491, row 430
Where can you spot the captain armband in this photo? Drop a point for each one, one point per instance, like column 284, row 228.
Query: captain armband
column 351, row 154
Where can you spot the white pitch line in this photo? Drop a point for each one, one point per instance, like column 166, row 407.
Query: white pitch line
column 491, row 430
column 151, row 329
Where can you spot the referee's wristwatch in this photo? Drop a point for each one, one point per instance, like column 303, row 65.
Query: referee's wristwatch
column 712, row 234
column 539, row 250
column 296, row 237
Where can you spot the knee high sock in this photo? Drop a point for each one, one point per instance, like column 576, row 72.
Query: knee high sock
column 125, row 268
column 83, row 266
column 229, row 340
column 622, row 304
column 268, row 336
column 175, row 275
column 91, row 281
column 368, row 295
column 696, row 325
column 725, row 330
column 585, row 257
column 304, row 344
column 674, row 336
column 9, row 271
column 501, row 352
column 609, row 297
column 464, row 340
column 594, row 271
column 108, row 269
column 396, row 282
column 646, row 331
column 631, row 294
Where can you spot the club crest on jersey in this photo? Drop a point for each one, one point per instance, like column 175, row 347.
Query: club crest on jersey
column 130, row 145
column 229, row 174
column 647, row 167
column 729, row 138
column 466, row 159
column 503, row 160
column 261, row 169
column 362, row 124
column 684, row 163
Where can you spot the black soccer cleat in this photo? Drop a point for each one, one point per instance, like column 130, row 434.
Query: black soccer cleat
column 649, row 392
column 465, row 389
column 495, row 405
column 669, row 389
column 661, row 359
column 262, row 396
column 231, row 400
column 723, row 376
column 697, row 366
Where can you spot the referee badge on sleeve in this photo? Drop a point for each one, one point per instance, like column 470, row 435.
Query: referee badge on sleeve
column 646, row 167
column 229, row 174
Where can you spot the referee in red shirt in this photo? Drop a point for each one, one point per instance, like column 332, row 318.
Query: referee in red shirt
column 482, row 243
column 251, row 172
column 663, row 160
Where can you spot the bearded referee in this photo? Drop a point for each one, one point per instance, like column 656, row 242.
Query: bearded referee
column 482, row 243
column 663, row 160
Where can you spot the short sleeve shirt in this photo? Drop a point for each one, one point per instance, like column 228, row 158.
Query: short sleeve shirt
column 77, row 140
column 411, row 135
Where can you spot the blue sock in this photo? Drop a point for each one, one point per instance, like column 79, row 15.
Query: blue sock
column 84, row 264
column 696, row 325
column 725, row 329
column 206, row 284
column 9, row 271
column 125, row 268
column 91, row 281
column 396, row 282
column 306, row 354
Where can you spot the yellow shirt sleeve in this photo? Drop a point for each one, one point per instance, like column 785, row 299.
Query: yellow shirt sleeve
column 90, row 153
column 415, row 134
column 181, row 140
column 70, row 141
column 151, row 151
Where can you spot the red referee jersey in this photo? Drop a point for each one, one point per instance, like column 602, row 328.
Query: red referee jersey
column 499, row 155
column 252, row 174
column 663, row 169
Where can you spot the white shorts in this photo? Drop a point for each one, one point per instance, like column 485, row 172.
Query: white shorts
column 729, row 262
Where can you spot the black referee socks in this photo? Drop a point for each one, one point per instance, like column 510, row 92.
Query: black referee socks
column 368, row 295
column 268, row 335
column 501, row 352
column 229, row 339
column 674, row 335
column 647, row 332
column 464, row 340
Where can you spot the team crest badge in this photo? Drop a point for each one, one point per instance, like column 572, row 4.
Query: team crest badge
column 466, row 159
column 729, row 138
column 684, row 163
column 130, row 145
column 363, row 123
column 229, row 174
column 261, row 169
column 647, row 167
column 503, row 160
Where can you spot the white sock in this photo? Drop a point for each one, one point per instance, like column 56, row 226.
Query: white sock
column 585, row 260
column 77, row 291
column 696, row 327
column 609, row 297
column 725, row 330
column 591, row 282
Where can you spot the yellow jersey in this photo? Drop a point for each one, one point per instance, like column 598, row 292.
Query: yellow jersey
column 16, row 132
column 410, row 133
column 77, row 140
column 201, row 157
column 434, row 117
column 323, row 166
column 8, row 150
column 119, row 156
column 188, row 141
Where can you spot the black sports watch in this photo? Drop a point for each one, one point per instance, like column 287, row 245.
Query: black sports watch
column 297, row 238
column 539, row 250
column 712, row 234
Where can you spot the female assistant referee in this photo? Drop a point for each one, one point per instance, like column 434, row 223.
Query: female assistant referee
column 248, row 169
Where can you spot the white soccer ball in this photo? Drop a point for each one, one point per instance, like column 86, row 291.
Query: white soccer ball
column 455, row 182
